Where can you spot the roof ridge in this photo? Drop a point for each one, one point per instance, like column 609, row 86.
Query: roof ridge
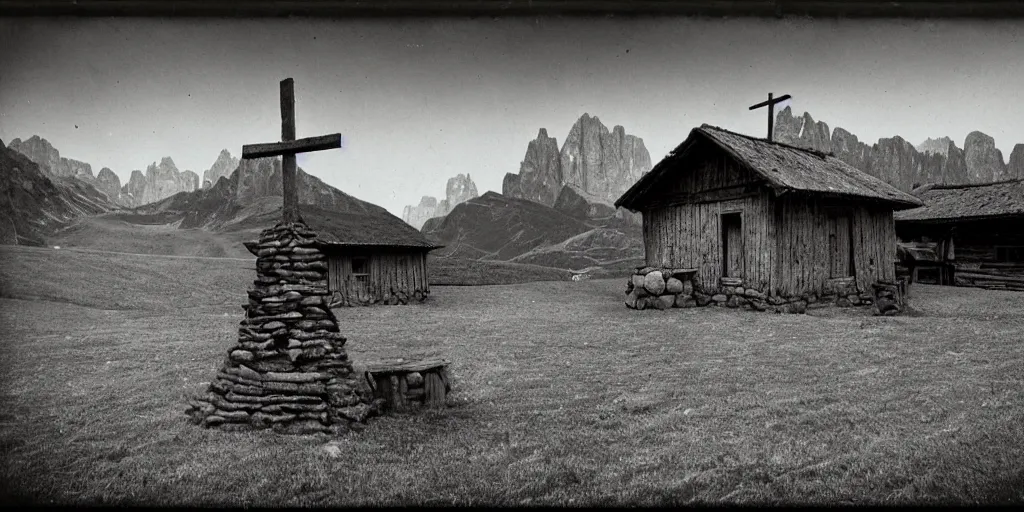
column 820, row 154
column 976, row 185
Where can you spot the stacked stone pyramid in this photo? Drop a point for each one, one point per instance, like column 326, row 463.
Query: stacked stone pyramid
column 288, row 370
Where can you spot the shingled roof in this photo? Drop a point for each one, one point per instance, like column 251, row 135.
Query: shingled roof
column 337, row 229
column 784, row 167
column 978, row 201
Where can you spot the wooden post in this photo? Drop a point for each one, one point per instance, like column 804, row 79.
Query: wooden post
column 291, row 200
column 771, row 111
column 287, row 149
column 434, row 389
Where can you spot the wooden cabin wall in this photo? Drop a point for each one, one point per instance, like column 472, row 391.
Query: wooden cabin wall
column 682, row 223
column 714, row 177
column 803, row 245
column 690, row 236
column 390, row 272
column 974, row 241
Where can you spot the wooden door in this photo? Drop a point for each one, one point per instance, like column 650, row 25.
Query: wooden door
column 732, row 245
column 840, row 244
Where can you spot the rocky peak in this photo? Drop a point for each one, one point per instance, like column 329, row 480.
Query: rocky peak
column 599, row 164
column 802, row 131
column 984, row 161
column 1015, row 168
column 108, row 183
column 459, row 189
column 161, row 180
column 896, row 161
column 540, row 173
column 938, row 146
column 40, row 151
column 224, row 165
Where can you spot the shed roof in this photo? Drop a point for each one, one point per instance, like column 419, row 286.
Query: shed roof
column 784, row 167
column 338, row 229
column 976, row 201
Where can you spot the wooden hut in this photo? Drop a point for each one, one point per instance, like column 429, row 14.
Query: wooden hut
column 976, row 230
column 373, row 257
column 735, row 212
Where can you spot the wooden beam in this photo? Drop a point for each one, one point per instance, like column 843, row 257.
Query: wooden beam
column 305, row 145
column 290, row 212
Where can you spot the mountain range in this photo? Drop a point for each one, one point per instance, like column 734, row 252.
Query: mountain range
column 459, row 189
column 555, row 212
column 37, row 203
column 600, row 165
column 160, row 180
column 900, row 163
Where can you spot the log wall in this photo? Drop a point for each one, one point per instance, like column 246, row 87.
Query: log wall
column 690, row 236
column 976, row 249
column 804, row 262
column 393, row 277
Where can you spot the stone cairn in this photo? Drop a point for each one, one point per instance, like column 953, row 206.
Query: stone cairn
column 289, row 370
column 663, row 288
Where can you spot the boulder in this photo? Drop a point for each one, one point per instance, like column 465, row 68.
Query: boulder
column 685, row 301
column 798, row 307
column 673, row 285
column 702, row 299
column 719, row 297
column 687, row 287
column 638, row 281
column 633, row 298
column 654, row 282
column 664, row 301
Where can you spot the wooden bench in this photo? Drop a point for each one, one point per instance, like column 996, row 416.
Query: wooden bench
column 403, row 384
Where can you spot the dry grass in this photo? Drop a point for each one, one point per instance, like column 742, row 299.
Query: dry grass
column 562, row 396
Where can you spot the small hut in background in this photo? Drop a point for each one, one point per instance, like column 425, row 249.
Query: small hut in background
column 975, row 231
column 761, row 220
column 372, row 258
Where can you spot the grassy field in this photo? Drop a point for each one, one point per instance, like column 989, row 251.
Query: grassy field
column 561, row 396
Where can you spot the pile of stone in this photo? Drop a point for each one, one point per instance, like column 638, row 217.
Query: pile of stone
column 288, row 370
column 663, row 288
column 889, row 298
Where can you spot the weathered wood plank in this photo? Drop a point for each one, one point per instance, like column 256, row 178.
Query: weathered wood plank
column 389, row 368
column 291, row 147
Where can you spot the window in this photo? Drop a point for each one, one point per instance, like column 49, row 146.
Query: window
column 361, row 272
column 1010, row 254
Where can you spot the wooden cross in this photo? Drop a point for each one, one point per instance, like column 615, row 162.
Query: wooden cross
column 288, row 148
column 771, row 110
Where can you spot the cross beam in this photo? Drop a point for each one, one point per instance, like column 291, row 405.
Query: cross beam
column 306, row 145
column 771, row 110
column 288, row 148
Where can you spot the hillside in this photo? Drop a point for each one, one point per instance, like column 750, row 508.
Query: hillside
column 35, row 204
column 495, row 227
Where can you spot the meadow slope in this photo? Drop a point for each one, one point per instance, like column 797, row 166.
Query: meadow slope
column 561, row 396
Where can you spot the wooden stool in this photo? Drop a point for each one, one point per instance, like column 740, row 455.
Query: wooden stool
column 403, row 384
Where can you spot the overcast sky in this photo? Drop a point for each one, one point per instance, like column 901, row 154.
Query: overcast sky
column 419, row 101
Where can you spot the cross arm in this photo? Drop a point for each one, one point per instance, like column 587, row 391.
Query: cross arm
column 771, row 101
column 292, row 147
